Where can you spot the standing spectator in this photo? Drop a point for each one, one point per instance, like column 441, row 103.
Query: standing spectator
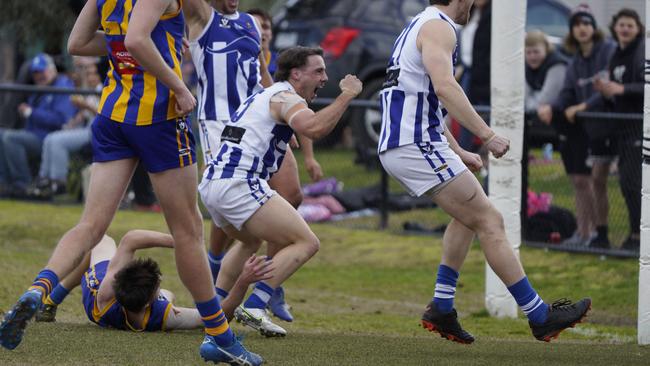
column 545, row 70
column 266, row 23
column 479, row 81
column 43, row 114
column 73, row 136
column 592, row 54
column 624, row 94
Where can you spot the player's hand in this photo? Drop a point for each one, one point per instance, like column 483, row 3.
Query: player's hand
column 351, row 85
column 313, row 169
column 185, row 101
column 545, row 114
column 294, row 142
column 498, row 145
column 186, row 45
column 473, row 161
column 256, row 268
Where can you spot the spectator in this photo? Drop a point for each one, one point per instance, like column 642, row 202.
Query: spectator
column 545, row 70
column 266, row 23
column 623, row 93
column 43, row 113
column 479, row 81
column 592, row 54
column 73, row 136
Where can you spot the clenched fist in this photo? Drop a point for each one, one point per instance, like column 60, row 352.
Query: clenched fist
column 351, row 85
column 498, row 145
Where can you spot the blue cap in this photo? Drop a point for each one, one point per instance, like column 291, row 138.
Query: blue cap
column 41, row 62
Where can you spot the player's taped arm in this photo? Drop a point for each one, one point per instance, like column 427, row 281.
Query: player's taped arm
column 183, row 318
column 437, row 41
column 85, row 39
column 316, row 125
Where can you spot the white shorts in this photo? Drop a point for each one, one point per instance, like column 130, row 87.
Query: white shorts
column 234, row 201
column 210, row 138
column 422, row 166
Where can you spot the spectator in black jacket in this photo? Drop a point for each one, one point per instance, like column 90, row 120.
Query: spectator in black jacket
column 623, row 93
column 592, row 55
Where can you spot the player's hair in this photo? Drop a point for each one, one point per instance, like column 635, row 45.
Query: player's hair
column 626, row 13
column 439, row 2
column 262, row 13
column 292, row 58
column 136, row 284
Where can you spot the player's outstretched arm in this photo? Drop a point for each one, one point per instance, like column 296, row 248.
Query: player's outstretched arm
column 85, row 39
column 437, row 41
column 197, row 15
column 144, row 17
column 256, row 268
column 316, row 125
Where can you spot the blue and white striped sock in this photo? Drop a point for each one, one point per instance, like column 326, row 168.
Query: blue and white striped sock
column 260, row 296
column 529, row 301
column 221, row 294
column 445, row 288
column 215, row 264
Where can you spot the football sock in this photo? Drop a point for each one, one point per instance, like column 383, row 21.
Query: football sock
column 215, row 321
column 529, row 301
column 260, row 296
column 57, row 296
column 445, row 288
column 215, row 264
column 44, row 282
column 221, row 294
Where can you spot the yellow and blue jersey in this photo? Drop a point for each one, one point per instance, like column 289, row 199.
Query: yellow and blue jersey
column 131, row 94
column 113, row 315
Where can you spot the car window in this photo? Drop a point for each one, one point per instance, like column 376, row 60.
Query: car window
column 391, row 11
column 548, row 19
column 411, row 8
column 318, row 8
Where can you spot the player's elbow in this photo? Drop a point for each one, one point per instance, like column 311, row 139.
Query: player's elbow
column 74, row 46
column 444, row 88
column 133, row 42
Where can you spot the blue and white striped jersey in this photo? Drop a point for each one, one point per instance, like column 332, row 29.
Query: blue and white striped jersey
column 411, row 111
column 225, row 56
column 253, row 143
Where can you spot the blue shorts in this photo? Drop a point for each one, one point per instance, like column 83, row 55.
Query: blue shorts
column 160, row 146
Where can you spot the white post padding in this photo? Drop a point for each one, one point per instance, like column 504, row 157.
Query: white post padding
column 643, row 327
column 507, row 119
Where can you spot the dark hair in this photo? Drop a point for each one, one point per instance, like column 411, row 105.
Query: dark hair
column 136, row 284
column 571, row 44
column 262, row 13
column 439, row 2
column 626, row 13
column 294, row 58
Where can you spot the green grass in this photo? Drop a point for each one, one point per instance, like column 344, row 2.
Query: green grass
column 356, row 303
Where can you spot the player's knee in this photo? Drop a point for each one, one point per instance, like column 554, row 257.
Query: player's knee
column 312, row 245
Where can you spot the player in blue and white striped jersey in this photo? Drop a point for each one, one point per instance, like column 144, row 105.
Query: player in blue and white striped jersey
column 253, row 145
column 417, row 150
column 225, row 45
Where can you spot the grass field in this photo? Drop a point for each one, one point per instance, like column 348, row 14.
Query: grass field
column 357, row 302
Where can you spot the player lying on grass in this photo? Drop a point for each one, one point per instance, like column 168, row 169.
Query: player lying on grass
column 123, row 292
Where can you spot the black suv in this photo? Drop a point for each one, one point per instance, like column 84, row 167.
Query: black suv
column 357, row 37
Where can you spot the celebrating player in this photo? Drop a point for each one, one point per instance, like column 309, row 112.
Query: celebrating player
column 421, row 154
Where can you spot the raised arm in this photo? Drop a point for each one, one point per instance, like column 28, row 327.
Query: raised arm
column 144, row 17
column 316, row 125
column 197, row 15
column 131, row 242
column 85, row 39
column 437, row 41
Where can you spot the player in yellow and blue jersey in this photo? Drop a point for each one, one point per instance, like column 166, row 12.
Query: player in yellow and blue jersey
column 141, row 117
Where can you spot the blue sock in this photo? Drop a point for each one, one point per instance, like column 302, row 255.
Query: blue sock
column 530, row 303
column 260, row 296
column 215, row 264
column 215, row 322
column 445, row 288
column 45, row 282
column 58, row 294
column 221, row 294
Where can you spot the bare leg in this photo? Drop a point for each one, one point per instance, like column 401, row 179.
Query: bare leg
column 466, row 202
column 235, row 258
column 74, row 279
column 455, row 244
column 176, row 190
column 584, row 203
column 219, row 241
column 108, row 183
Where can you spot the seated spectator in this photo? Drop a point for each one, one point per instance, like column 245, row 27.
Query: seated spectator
column 43, row 114
column 592, row 54
column 73, row 136
column 623, row 93
column 545, row 70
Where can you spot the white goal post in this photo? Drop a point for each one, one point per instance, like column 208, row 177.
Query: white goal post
column 643, row 327
column 507, row 119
